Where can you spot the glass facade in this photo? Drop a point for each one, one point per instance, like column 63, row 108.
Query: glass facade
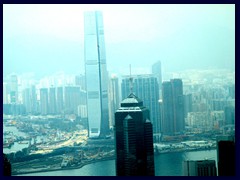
column 173, row 107
column 113, row 99
column 96, row 74
column 146, row 88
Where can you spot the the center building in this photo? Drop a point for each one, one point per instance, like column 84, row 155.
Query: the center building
column 134, row 139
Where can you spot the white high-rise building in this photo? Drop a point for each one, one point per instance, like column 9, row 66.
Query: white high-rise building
column 96, row 74
column 5, row 94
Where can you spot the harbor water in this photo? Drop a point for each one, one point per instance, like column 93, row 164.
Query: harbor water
column 167, row 164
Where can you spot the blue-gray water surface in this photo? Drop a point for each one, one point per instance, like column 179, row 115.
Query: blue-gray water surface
column 169, row 164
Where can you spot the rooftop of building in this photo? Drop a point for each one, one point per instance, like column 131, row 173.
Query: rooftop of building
column 132, row 101
column 138, row 76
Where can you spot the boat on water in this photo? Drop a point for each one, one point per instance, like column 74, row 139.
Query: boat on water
column 22, row 142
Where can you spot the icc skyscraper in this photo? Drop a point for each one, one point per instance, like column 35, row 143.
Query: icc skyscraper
column 96, row 74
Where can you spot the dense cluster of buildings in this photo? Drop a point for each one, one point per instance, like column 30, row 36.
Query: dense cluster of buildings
column 174, row 108
column 42, row 99
column 191, row 100
column 166, row 108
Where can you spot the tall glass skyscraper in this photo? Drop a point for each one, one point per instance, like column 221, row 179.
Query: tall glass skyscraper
column 96, row 74
column 173, row 108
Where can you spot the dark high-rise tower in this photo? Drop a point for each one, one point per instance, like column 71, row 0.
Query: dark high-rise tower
column 134, row 139
column 7, row 167
column 173, row 107
column 226, row 156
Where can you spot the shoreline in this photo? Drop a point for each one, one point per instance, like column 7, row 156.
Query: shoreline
column 95, row 161
column 66, row 168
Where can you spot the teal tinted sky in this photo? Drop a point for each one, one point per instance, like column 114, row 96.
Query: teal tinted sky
column 47, row 38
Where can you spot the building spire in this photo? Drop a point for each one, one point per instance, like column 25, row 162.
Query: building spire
column 131, row 80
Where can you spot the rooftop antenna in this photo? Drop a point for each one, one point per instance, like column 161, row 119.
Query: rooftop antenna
column 131, row 80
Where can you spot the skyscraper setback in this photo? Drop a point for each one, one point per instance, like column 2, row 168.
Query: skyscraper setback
column 96, row 74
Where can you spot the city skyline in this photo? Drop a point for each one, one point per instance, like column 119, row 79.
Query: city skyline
column 178, row 97
column 188, row 36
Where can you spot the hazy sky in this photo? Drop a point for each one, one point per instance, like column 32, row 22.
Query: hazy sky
column 49, row 38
